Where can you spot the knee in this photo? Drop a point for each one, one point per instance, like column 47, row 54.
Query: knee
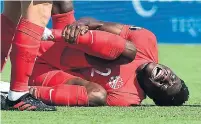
column 97, row 97
column 60, row 7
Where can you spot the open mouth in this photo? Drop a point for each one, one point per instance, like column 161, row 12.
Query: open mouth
column 156, row 73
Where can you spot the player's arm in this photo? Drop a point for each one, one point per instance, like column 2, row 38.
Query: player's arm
column 114, row 28
column 111, row 27
column 101, row 44
column 105, row 46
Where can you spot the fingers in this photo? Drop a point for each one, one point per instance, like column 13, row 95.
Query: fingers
column 71, row 39
column 83, row 30
column 71, row 32
column 77, row 31
column 67, row 33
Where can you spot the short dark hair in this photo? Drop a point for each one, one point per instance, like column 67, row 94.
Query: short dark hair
column 177, row 99
column 163, row 99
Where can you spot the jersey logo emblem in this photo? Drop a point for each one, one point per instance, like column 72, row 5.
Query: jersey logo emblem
column 116, row 82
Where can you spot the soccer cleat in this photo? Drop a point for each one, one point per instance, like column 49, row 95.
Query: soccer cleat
column 3, row 100
column 28, row 103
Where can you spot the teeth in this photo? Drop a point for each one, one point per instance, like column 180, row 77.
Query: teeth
column 159, row 73
column 155, row 72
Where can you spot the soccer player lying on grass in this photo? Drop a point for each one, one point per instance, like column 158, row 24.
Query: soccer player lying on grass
column 157, row 81
column 54, row 86
column 115, row 46
column 45, row 61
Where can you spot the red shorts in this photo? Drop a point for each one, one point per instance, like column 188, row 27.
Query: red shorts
column 46, row 75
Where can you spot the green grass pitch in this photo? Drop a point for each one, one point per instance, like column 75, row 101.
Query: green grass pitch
column 185, row 60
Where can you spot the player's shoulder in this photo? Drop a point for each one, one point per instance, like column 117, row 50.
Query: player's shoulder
column 133, row 27
column 144, row 39
column 143, row 31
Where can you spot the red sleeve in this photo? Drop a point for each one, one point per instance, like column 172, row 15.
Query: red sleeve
column 144, row 40
column 124, row 32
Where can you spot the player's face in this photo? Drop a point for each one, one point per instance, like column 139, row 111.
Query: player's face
column 158, row 78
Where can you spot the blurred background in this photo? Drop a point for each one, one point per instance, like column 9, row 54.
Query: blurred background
column 173, row 21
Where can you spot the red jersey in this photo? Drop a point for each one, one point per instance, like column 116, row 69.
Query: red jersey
column 119, row 81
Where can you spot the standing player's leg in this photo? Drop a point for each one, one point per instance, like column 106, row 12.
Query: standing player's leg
column 62, row 14
column 26, row 42
column 9, row 19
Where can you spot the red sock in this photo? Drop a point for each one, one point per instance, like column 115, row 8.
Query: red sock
column 61, row 95
column 99, row 43
column 25, row 46
column 7, row 32
column 59, row 21
column 102, row 44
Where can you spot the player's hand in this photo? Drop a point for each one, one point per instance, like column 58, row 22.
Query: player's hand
column 71, row 32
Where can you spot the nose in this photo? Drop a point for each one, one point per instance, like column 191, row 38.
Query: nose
column 166, row 78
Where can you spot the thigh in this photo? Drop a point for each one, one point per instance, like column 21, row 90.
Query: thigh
column 37, row 12
column 46, row 75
